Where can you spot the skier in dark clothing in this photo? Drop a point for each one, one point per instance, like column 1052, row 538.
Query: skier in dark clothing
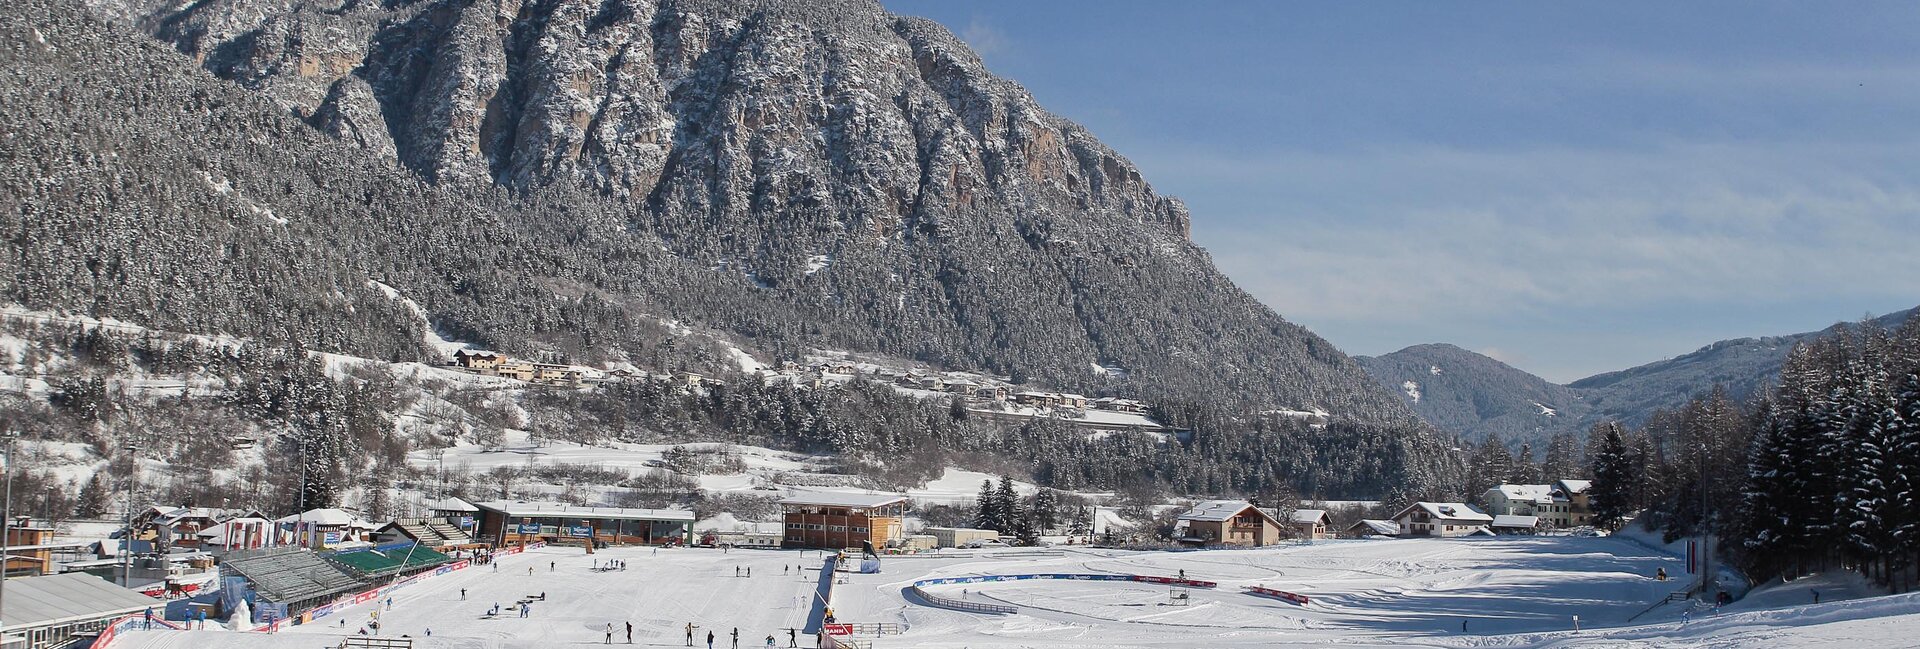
column 709, row 640
column 736, row 637
column 791, row 638
column 629, row 633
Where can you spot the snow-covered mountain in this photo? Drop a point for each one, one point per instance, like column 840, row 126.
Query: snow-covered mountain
column 581, row 183
column 1467, row 393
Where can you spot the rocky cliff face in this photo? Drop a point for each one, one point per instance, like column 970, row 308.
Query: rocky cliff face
column 834, row 106
column 862, row 169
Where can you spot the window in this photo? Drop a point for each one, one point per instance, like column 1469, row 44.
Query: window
column 861, row 530
column 836, row 528
column 816, row 526
column 793, row 526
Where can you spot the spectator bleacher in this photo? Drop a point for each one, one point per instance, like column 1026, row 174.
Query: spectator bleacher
column 297, row 577
column 389, row 560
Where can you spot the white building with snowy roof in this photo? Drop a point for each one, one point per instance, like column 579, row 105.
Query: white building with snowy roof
column 1440, row 519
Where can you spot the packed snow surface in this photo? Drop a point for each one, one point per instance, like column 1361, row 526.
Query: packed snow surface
column 1511, row 592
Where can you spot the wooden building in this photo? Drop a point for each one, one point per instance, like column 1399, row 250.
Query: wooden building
column 837, row 520
column 1228, row 522
column 1311, row 524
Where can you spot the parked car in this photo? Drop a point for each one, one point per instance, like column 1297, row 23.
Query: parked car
column 986, row 543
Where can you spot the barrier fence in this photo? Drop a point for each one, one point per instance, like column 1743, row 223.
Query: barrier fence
column 1279, row 594
column 919, row 587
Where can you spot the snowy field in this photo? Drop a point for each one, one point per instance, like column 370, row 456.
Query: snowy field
column 1510, row 592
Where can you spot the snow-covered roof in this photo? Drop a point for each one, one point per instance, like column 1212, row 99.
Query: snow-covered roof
column 321, row 517
column 1310, row 516
column 451, row 505
column 1505, row 520
column 1217, row 510
column 1571, row 487
column 1522, row 492
column 1384, row 528
column 842, row 499
column 183, row 513
column 70, row 597
column 1449, row 511
column 561, row 510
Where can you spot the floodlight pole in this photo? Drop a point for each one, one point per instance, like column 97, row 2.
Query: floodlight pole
column 126, row 538
column 6, row 522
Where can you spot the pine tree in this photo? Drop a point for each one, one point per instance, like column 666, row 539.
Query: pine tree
column 1491, row 466
column 1766, row 531
column 987, row 514
column 1611, row 493
column 93, row 498
column 1045, row 510
column 1006, row 502
column 1524, row 470
column 1082, row 521
column 1562, row 461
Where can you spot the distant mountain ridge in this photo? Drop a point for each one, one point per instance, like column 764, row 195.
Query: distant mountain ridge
column 1472, row 395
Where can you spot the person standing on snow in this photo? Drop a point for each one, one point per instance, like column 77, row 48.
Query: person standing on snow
column 709, row 640
column 629, row 633
column 609, row 633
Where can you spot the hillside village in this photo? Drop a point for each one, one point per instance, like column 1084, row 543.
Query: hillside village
column 990, row 396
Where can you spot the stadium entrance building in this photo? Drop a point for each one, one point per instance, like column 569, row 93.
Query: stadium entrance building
column 55, row 610
column 837, row 519
column 507, row 523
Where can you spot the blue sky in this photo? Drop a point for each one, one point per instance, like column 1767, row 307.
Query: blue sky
column 1571, row 188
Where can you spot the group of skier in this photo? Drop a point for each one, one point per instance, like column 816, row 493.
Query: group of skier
column 793, row 636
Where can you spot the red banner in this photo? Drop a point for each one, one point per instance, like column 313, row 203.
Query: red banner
column 838, row 629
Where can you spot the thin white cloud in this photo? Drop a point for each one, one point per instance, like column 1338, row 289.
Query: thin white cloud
column 985, row 39
column 1459, row 239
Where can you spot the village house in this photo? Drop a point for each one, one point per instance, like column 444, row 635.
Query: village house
column 990, row 393
column 557, row 374
column 689, row 379
column 1116, row 404
column 514, row 368
column 1570, row 506
column 840, row 367
column 1071, row 400
column 1227, row 522
column 1037, row 399
column 961, row 386
column 478, row 362
column 933, row 384
column 1311, row 524
column 1440, row 519
column 1517, row 499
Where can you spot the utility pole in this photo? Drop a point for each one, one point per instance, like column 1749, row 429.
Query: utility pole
column 300, row 517
column 126, row 537
column 6, row 522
